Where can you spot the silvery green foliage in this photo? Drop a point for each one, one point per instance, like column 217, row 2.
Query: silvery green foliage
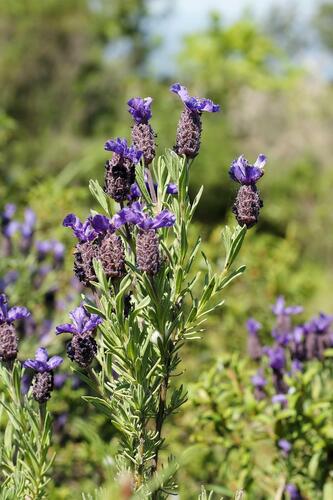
column 139, row 353
column 25, row 442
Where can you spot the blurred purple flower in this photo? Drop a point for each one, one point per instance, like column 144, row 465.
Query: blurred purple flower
column 285, row 447
column 276, row 357
column 82, row 322
column 246, row 174
column 121, row 148
column 42, row 363
column 280, row 398
column 12, row 314
column 279, row 308
column 140, row 109
column 8, row 279
column 195, row 104
column 59, row 380
column 293, row 492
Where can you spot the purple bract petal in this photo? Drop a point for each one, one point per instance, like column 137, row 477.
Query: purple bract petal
column 84, row 232
column 120, row 147
column 54, row 362
column 65, row 328
column 195, row 104
column 92, row 323
column 18, row 312
column 101, row 224
column 140, row 109
column 243, row 172
column 41, row 354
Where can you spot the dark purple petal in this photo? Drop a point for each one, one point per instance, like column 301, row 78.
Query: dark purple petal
column 101, row 224
column 140, row 109
column 241, row 171
column 54, row 362
column 3, row 307
column 41, row 354
column 66, row 328
column 18, row 312
column 172, row 189
column 195, row 104
column 135, row 191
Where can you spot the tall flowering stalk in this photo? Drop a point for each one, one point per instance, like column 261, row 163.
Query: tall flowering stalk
column 157, row 303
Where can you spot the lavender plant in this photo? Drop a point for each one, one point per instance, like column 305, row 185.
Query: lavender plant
column 148, row 302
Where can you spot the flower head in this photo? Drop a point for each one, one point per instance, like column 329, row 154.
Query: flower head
column 121, row 148
column 172, row 189
column 140, row 109
column 195, row 104
column 82, row 322
column 319, row 324
column 279, row 308
column 83, row 231
column 42, row 363
column 246, row 174
column 28, row 226
column 9, row 315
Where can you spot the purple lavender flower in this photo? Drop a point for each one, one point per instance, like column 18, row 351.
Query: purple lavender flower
column 293, row 492
column 8, row 279
column 27, row 229
column 280, row 399
column 140, row 109
column 254, row 348
column 42, row 363
column 320, row 324
column 135, row 215
column 82, row 322
column 43, row 381
column 121, row 148
column 285, row 447
column 259, row 382
column 8, row 225
column 59, row 380
column 279, row 308
column 135, row 192
column 8, row 338
column 43, row 248
column 83, row 231
column 9, row 315
column 246, row 174
column 276, row 357
column 102, row 224
column 58, row 252
column 172, row 189
column 194, row 104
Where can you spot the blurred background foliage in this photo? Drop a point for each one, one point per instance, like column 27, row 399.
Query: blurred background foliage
column 67, row 69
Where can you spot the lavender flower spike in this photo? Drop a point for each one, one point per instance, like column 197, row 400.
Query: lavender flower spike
column 194, row 104
column 8, row 338
column 248, row 203
column 82, row 322
column 143, row 136
column 189, row 125
column 43, row 381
